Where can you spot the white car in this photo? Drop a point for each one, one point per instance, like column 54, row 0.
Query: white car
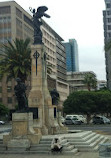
column 82, row 118
column 79, row 117
column 2, row 122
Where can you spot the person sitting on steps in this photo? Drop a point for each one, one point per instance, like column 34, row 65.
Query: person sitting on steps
column 56, row 145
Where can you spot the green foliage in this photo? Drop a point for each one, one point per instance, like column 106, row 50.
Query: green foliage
column 90, row 81
column 15, row 59
column 88, row 102
column 3, row 110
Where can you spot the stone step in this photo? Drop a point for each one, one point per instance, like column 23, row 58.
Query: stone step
column 2, row 145
column 66, row 144
column 1, row 141
column 82, row 141
column 2, row 148
column 96, row 148
column 85, row 138
column 24, row 152
column 79, row 136
column 64, row 141
column 41, row 145
column 39, row 148
column 72, row 152
column 88, row 142
column 89, row 136
column 87, row 147
column 45, row 142
column 69, row 148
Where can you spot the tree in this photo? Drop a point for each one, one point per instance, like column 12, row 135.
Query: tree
column 80, row 102
column 90, row 81
column 15, row 59
column 88, row 103
column 3, row 110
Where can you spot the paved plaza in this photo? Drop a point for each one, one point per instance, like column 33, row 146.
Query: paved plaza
column 57, row 155
column 78, row 155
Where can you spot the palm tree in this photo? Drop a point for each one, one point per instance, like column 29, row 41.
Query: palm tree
column 15, row 59
column 90, row 81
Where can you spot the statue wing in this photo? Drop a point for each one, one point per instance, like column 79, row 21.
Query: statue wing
column 46, row 15
column 41, row 10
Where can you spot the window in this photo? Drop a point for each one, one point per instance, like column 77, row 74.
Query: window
column 18, row 13
column 108, row 12
column 109, row 20
column 27, row 20
column 108, row 5
column 109, row 27
column 9, row 100
column 18, row 23
column 5, row 10
column 9, row 88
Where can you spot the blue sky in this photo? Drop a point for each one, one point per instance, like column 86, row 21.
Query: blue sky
column 81, row 20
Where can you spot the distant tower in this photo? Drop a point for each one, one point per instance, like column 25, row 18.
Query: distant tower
column 72, row 63
column 107, row 36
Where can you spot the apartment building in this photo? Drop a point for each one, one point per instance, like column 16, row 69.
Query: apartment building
column 75, row 80
column 15, row 22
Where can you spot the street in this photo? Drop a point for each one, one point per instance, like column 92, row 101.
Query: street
column 103, row 128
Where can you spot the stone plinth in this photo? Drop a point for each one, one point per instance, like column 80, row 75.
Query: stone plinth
column 23, row 133
column 39, row 96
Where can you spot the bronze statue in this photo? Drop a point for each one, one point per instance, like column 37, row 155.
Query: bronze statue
column 37, row 22
column 55, row 97
column 20, row 89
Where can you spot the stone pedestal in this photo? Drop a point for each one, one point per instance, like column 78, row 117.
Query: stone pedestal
column 23, row 134
column 63, row 129
column 39, row 96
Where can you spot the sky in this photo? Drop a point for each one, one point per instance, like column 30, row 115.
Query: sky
column 81, row 20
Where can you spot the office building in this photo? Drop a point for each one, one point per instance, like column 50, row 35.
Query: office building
column 15, row 22
column 101, row 84
column 61, row 61
column 72, row 63
column 75, row 81
column 107, row 37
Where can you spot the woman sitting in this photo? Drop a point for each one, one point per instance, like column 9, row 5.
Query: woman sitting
column 56, row 145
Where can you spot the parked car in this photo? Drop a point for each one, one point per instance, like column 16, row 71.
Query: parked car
column 82, row 118
column 2, row 122
column 100, row 120
column 72, row 121
column 79, row 117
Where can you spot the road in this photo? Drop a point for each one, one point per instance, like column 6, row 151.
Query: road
column 103, row 129
column 5, row 128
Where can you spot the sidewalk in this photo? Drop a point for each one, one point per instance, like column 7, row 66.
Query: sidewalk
column 78, row 155
column 62, row 155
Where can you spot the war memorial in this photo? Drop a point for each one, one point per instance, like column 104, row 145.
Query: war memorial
column 28, row 128
column 35, row 124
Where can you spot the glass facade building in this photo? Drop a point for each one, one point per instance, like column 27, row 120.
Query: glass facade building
column 72, row 63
